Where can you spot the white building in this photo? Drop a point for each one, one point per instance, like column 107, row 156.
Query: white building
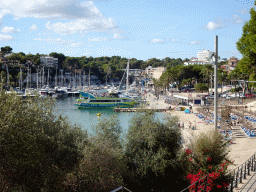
column 154, row 72
column 48, row 61
column 205, row 55
column 196, row 63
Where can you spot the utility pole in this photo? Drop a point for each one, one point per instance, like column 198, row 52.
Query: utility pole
column 215, row 85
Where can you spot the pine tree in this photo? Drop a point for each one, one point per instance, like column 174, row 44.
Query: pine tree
column 247, row 43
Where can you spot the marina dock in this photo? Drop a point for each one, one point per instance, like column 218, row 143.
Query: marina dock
column 138, row 110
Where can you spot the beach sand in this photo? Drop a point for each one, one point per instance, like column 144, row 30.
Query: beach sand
column 241, row 149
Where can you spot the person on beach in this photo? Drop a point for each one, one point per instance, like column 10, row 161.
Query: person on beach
column 189, row 125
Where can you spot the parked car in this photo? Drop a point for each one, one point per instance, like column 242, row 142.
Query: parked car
column 248, row 95
column 210, row 97
column 229, row 97
column 242, row 95
column 186, row 90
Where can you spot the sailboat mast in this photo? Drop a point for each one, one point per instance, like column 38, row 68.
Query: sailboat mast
column 37, row 78
column 56, row 78
column 20, row 80
column 43, row 77
column 89, row 79
column 48, row 77
column 27, row 77
column 127, row 75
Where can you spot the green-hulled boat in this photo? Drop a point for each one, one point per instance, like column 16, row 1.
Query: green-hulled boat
column 103, row 102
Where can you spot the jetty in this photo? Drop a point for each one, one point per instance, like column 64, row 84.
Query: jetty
column 138, row 110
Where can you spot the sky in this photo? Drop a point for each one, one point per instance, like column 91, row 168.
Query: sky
column 140, row 29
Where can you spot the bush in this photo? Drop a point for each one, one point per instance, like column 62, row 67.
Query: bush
column 37, row 148
column 151, row 153
column 236, row 89
column 200, row 87
column 207, row 154
column 102, row 167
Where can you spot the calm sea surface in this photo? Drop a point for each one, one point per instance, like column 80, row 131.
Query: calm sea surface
column 87, row 118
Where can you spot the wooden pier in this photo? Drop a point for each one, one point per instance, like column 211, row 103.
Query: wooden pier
column 138, row 110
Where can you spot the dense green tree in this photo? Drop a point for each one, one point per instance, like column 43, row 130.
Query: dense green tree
column 103, row 165
column 61, row 58
column 71, row 63
column 37, row 148
column 6, row 49
column 246, row 44
column 151, row 151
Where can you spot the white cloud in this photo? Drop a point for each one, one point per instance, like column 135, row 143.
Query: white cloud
column 50, row 9
column 213, row 25
column 78, row 44
column 9, row 30
column 175, row 40
column 55, row 41
column 60, row 41
column 82, row 26
column 33, row 27
column 85, row 16
column 98, row 39
column 6, row 37
column 195, row 42
column 237, row 19
column 118, row 36
column 243, row 11
column 158, row 41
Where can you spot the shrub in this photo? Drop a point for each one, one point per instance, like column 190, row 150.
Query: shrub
column 102, row 167
column 37, row 148
column 200, row 87
column 207, row 154
column 151, row 152
column 236, row 89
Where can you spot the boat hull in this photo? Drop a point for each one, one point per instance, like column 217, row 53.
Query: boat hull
column 105, row 105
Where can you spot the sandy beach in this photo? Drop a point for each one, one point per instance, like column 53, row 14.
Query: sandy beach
column 240, row 150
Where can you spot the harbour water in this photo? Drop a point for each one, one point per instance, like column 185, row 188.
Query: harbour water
column 87, row 118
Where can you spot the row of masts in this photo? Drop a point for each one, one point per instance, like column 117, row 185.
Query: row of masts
column 40, row 78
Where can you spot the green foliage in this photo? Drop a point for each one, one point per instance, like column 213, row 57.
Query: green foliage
column 200, row 87
column 103, row 165
column 151, row 153
column 207, row 154
column 236, row 89
column 252, row 77
column 37, row 148
column 246, row 45
column 61, row 58
column 6, row 49
column 208, row 145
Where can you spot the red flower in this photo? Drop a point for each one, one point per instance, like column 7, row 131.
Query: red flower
column 221, row 170
column 190, row 159
column 209, row 159
column 190, row 176
column 188, row 151
column 219, row 186
column 208, row 188
column 210, row 167
column 225, row 184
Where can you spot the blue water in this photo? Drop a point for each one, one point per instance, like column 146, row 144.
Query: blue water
column 87, row 118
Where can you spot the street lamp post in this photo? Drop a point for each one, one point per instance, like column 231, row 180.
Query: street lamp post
column 215, row 84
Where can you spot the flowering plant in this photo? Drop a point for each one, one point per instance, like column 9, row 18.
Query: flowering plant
column 206, row 162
